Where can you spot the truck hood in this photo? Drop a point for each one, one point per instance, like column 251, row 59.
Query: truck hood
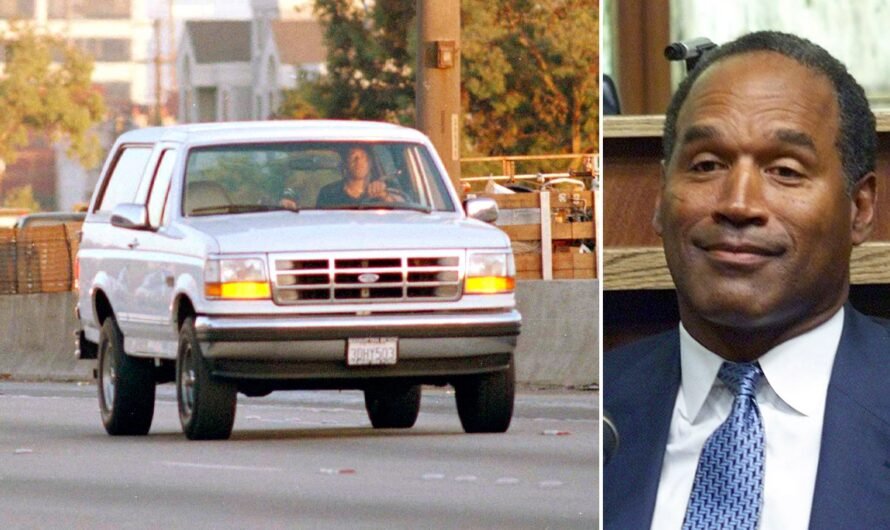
column 286, row 231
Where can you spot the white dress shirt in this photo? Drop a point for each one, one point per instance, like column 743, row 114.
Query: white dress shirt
column 791, row 398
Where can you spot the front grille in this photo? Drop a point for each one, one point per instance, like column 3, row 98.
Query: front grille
column 377, row 277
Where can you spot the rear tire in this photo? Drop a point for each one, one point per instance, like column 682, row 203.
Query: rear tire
column 485, row 402
column 393, row 407
column 126, row 385
column 206, row 404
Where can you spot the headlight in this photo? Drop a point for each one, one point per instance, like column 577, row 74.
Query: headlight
column 236, row 279
column 490, row 273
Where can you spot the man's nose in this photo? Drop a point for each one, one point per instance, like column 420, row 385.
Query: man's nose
column 741, row 198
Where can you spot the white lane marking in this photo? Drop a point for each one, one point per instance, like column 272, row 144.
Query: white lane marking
column 337, row 471
column 221, row 467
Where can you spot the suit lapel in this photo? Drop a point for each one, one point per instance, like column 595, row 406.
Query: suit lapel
column 853, row 478
column 643, row 421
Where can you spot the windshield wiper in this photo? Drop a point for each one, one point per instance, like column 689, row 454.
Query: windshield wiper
column 240, row 208
column 383, row 206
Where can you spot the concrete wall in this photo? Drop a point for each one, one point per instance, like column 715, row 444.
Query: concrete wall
column 558, row 344
column 36, row 338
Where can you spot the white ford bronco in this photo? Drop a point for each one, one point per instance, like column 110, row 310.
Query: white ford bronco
column 252, row 257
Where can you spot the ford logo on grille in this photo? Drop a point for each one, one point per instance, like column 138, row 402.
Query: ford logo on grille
column 368, row 277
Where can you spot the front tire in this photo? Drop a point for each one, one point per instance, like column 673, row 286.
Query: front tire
column 126, row 385
column 485, row 402
column 393, row 407
column 206, row 404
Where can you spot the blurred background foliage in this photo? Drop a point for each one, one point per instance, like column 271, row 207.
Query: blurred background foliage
column 46, row 88
column 529, row 72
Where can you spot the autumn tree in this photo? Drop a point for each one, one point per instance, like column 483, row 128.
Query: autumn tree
column 529, row 71
column 530, row 76
column 46, row 88
column 22, row 197
column 300, row 103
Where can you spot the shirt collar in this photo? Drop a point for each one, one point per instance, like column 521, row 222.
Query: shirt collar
column 797, row 370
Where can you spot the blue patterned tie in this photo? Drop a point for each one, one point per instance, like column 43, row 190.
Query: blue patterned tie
column 728, row 488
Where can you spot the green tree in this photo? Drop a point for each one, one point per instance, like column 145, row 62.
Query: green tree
column 46, row 88
column 370, row 60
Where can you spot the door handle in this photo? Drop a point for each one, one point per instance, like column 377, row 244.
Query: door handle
column 133, row 244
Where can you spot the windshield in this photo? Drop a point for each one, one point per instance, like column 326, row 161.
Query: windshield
column 313, row 176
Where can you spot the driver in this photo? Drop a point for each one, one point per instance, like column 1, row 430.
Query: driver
column 356, row 186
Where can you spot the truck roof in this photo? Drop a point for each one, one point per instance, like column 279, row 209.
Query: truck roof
column 275, row 130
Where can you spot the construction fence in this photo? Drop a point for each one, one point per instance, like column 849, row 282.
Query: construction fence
column 38, row 259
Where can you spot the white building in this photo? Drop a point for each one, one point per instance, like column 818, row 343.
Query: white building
column 118, row 34
column 235, row 67
column 236, row 70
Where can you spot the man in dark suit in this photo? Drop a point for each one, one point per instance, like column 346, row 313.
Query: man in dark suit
column 769, row 406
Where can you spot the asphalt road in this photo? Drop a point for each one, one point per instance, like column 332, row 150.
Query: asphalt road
column 297, row 460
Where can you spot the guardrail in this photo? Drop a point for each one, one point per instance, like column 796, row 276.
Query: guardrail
column 588, row 171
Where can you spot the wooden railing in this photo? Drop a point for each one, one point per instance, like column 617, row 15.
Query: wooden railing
column 553, row 226
column 552, row 233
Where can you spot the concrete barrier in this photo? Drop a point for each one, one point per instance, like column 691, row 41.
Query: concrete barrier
column 37, row 341
column 558, row 344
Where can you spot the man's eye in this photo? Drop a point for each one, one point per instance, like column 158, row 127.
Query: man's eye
column 706, row 166
column 785, row 172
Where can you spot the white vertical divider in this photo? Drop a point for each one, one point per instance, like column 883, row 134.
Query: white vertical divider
column 546, row 238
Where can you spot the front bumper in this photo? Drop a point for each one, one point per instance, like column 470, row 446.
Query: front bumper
column 434, row 344
column 250, row 329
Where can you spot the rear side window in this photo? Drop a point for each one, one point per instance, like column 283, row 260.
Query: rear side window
column 125, row 176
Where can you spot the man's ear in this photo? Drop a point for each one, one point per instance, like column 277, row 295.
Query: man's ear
column 862, row 213
column 656, row 217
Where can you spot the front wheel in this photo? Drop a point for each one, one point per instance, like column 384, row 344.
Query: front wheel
column 393, row 407
column 485, row 402
column 126, row 385
column 206, row 404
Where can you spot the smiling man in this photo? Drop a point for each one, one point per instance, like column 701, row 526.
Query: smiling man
column 767, row 408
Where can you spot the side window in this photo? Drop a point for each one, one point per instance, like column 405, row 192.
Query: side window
column 159, row 188
column 125, row 177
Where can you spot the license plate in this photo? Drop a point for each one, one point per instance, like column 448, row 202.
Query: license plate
column 373, row 351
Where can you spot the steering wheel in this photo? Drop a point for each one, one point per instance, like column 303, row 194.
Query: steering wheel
column 396, row 194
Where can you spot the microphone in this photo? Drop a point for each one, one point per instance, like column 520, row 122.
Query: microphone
column 610, row 438
column 690, row 50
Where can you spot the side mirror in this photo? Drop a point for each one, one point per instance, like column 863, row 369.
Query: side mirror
column 130, row 215
column 482, row 208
